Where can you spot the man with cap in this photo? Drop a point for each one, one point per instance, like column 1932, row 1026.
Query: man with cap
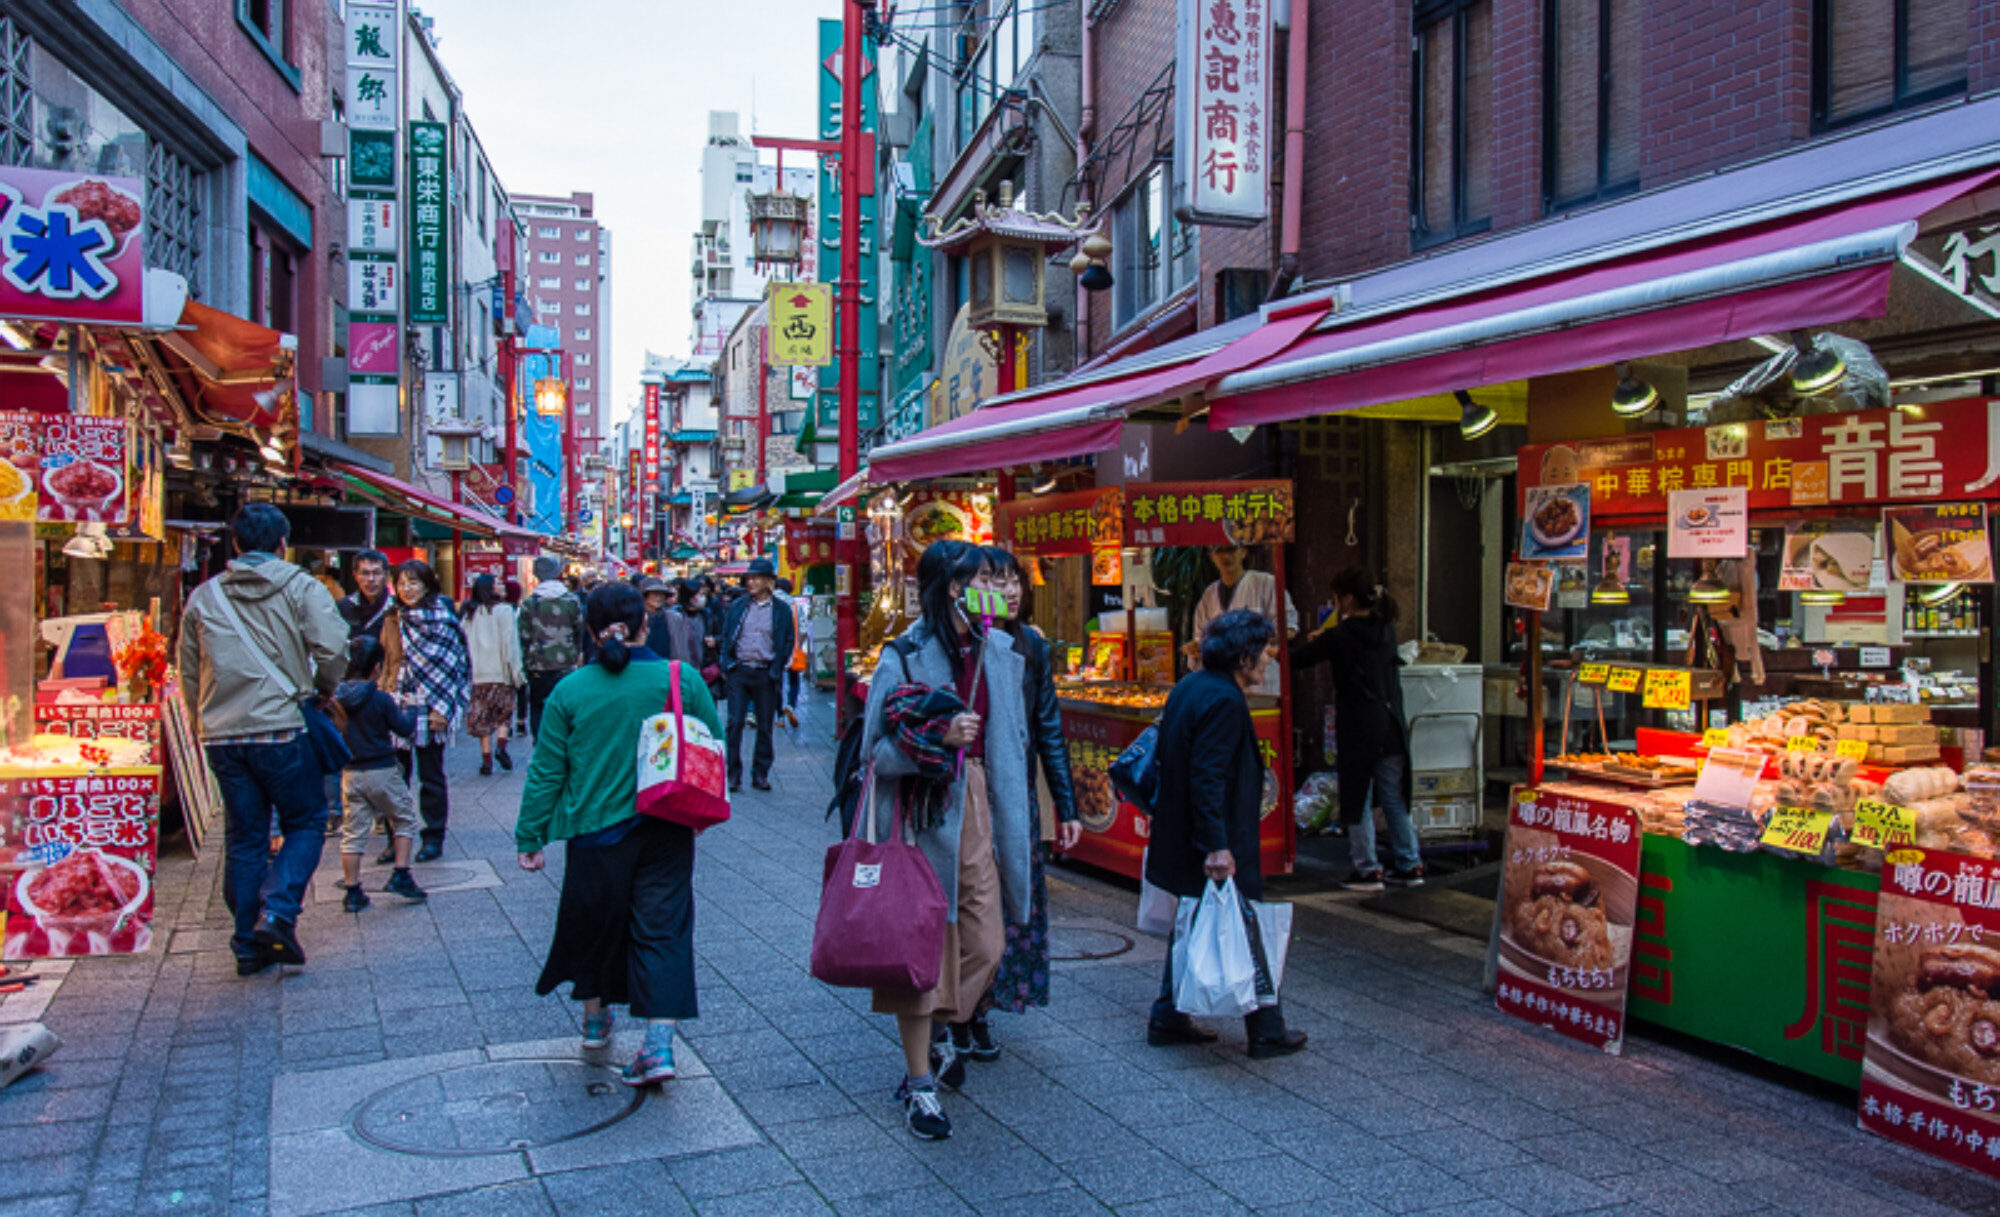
column 658, row 640
column 757, row 640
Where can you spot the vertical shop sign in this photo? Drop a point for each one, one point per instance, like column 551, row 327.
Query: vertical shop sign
column 373, row 42
column 430, row 254
column 371, row 226
column 652, row 459
column 1930, row 1073
column 1569, row 899
column 801, row 324
column 1222, row 97
column 373, row 53
column 868, row 409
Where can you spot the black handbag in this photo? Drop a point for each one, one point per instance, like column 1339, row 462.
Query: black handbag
column 1135, row 775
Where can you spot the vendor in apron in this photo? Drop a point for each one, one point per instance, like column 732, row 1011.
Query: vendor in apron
column 1242, row 588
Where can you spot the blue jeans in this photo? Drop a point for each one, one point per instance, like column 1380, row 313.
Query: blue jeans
column 257, row 780
column 1388, row 791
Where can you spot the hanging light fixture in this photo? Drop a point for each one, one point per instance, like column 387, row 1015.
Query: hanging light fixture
column 551, row 396
column 1474, row 420
column 1708, row 589
column 1823, row 596
column 1817, row 368
column 1609, row 590
column 1633, row 397
column 1940, row 593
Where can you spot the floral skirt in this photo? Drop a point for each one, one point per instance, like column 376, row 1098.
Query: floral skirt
column 492, row 709
column 1023, row 979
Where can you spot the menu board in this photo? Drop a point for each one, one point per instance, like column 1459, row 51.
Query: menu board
column 88, row 844
column 1529, row 586
column 1941, row 543
column 79, row 467
column 1836, row 555
column 1569, row 897
column 1708, row 523
column 1930, row 1074
column 1555, row 523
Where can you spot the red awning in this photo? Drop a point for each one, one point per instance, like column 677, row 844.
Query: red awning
column 1085, row 415
column 421, row 502
column 1818, row 268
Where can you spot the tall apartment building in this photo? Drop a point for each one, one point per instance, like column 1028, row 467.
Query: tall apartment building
column 726, row 280
column 568, row 276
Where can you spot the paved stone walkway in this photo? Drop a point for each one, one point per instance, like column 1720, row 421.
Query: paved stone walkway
column 182, row 1089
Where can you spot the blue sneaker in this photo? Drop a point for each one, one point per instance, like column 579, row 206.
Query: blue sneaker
column 650, row 1066
column 597, row 1031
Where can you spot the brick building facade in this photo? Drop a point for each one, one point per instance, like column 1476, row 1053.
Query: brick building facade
column 568, row 276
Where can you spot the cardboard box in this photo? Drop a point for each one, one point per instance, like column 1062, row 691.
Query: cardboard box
column 1902, row 715
column 1902, row 754
column 1912, row 733
column 1854, row 731
column 1860, row 712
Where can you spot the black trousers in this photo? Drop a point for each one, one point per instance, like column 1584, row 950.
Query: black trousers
column 751, row 689
column 1263, row 1023
column 625, row 923
column 540, row 685
column 433, row 797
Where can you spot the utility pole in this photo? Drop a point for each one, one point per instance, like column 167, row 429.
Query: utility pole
column 847, row 623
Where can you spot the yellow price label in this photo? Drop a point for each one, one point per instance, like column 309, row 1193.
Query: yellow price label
column 1800, row 830
column 1715, row 737
column 1594, row 673
column 1852, row 749
column 1667, row 689
column 1806, row 743
column 1625, row 680
column 1879, row 825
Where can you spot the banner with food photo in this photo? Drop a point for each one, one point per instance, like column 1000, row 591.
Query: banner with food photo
column 1555, row 525
column 1939, row 543
column 1832, row 555
column 84, row 469
column 1930, row 1075
column 20, row 464
column 80, row 880
column 73, row 246
column 1529, row 585
column 135, row 725
column 1569, row 897
column 1708, row 523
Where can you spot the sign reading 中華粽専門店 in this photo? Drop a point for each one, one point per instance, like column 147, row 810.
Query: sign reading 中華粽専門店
column 801, row 325
column 430, row 254
column 1222, row 98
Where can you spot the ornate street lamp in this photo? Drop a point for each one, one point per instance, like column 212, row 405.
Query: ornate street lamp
column 551, row 397
column 778, row 226
column 454, row 455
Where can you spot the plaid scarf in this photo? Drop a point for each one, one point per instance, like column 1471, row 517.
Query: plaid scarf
column 436, row 674
column 920, row 716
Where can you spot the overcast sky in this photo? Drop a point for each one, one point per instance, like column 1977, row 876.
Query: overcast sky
column 612, row 97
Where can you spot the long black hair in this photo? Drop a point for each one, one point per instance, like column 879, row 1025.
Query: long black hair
column 484, row 596
column 944, row 563
column 615, row 614
column 424, row 575
column 1367, row 594
column 1002, row 562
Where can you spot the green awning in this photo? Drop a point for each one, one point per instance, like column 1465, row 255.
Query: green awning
column 816, row 481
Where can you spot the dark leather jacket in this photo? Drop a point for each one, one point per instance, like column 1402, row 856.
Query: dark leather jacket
column 1045, row 731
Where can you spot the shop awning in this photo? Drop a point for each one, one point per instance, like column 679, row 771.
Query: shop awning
column 843, row 494
column 422, row 504
column 1086, row 414
column 1800, row 240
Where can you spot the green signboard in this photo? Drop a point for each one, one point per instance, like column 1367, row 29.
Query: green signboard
column 430, row 246
column 869, row 408
column 1757, row 952
column 371, row 161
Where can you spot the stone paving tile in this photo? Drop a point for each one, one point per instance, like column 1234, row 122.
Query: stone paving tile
column 629, row 1189
column 511, row 1200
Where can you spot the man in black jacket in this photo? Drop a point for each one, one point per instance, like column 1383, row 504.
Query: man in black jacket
column 757, row 642
column 1205, row 817
column 367, row 607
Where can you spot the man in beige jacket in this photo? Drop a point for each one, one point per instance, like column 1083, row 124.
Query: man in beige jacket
column 256, row 641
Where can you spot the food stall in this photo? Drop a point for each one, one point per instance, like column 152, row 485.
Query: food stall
column 898, row 524
column 1086, row 556
column 1781, row 679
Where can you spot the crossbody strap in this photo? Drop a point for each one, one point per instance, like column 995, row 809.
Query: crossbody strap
column 228, row 609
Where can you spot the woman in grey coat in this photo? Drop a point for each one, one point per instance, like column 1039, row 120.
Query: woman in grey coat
column 981, row 838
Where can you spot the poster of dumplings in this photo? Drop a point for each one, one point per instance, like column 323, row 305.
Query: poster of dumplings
column 1832, row 555
column 1939, row 543
column 1568, row 899
column 1930, row 1074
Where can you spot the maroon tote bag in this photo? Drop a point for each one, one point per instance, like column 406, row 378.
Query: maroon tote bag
column 881, row 911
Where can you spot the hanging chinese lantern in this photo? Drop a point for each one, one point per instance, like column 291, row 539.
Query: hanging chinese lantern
column 551, row 396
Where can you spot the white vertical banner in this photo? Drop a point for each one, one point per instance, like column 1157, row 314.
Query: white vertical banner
column 1222, row 112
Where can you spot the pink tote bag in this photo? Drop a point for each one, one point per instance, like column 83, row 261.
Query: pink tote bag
column 681, row 766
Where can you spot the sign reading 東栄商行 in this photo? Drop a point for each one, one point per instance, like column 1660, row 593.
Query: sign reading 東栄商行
column 430, row 252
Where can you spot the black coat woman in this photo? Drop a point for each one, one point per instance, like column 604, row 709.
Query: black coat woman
column 1205, row 817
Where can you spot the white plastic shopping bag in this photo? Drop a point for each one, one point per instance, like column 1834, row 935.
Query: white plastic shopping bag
column 1271, row 928
column 1214, row 972
column 1156, row 904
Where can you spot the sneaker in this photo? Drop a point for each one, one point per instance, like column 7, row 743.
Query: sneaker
column 791, row 716
column 278, row 939
column 486, row 767
column 649, row 1067
column 924, row 1114
column 500, row 754
column 983, row 1048
column 431, row 851
column 1398, row 877
column 948, row 1063
column 355, row 900
column 1363, row 881
column 597, row 1031
column 401, row 883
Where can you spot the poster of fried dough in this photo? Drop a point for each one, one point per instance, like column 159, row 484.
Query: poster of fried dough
column 1568, row 898
column 1830, row 555
column 1930, row 1073
column 1941, row 543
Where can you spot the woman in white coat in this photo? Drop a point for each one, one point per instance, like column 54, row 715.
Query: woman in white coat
column 495, row 642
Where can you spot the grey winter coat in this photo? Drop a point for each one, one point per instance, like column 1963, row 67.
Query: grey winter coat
column 1005, row 733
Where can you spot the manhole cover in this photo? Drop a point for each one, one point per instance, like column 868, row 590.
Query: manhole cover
column 1075, row 944
column 497, row 1108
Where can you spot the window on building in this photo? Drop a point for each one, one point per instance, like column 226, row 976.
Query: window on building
column 1590, row 100
column 273, row 278
column 480, row 177
column 1875, row 56
column 546, row 307
column 264, row 21
column 583, row 334
column 583, row 259
column 582, row 310
column 582, row 285
column 998, row 43
column 1452, row 119
column 583, row 382
column 583, row 359
column 582, row 234
column 548, row 283
column 1155, row 253
column 549, row 232
column 549, row 257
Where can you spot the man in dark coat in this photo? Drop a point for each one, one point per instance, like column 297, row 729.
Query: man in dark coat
column 367, row 607
column 1205, row 817
column 757, row 641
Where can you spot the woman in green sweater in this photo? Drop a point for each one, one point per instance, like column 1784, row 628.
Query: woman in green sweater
column 625, row 922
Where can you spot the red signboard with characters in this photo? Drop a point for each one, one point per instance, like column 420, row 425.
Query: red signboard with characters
column 81, row 465
column 809, row 542
column 1209, row 513
column 1930, row 1074
column 1920, row 453
column 1569, row 898
column 87, row 845
column 486, row 562
column 652, row 440
column 105, row 720
column 70, row 247
column 1061, row 525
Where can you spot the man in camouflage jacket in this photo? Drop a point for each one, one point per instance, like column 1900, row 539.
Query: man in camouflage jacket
column 552, row 635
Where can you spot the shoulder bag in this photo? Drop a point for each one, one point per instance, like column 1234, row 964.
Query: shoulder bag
column 681, row 777
column 329, row 746
column 1135, row 775
column 881, row 911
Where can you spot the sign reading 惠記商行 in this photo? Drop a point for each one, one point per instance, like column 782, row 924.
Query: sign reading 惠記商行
column 1222, row 100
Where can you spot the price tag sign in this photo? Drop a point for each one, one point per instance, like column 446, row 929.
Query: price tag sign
column 1594, row 674
column 1729, row 777
column 1879, row 825
column 1800, row 830
column 1667, row 689
column 1808, row 743
column 1874, row 657
column 1852, row 749
column 1625, row 680
column 1715, row 737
